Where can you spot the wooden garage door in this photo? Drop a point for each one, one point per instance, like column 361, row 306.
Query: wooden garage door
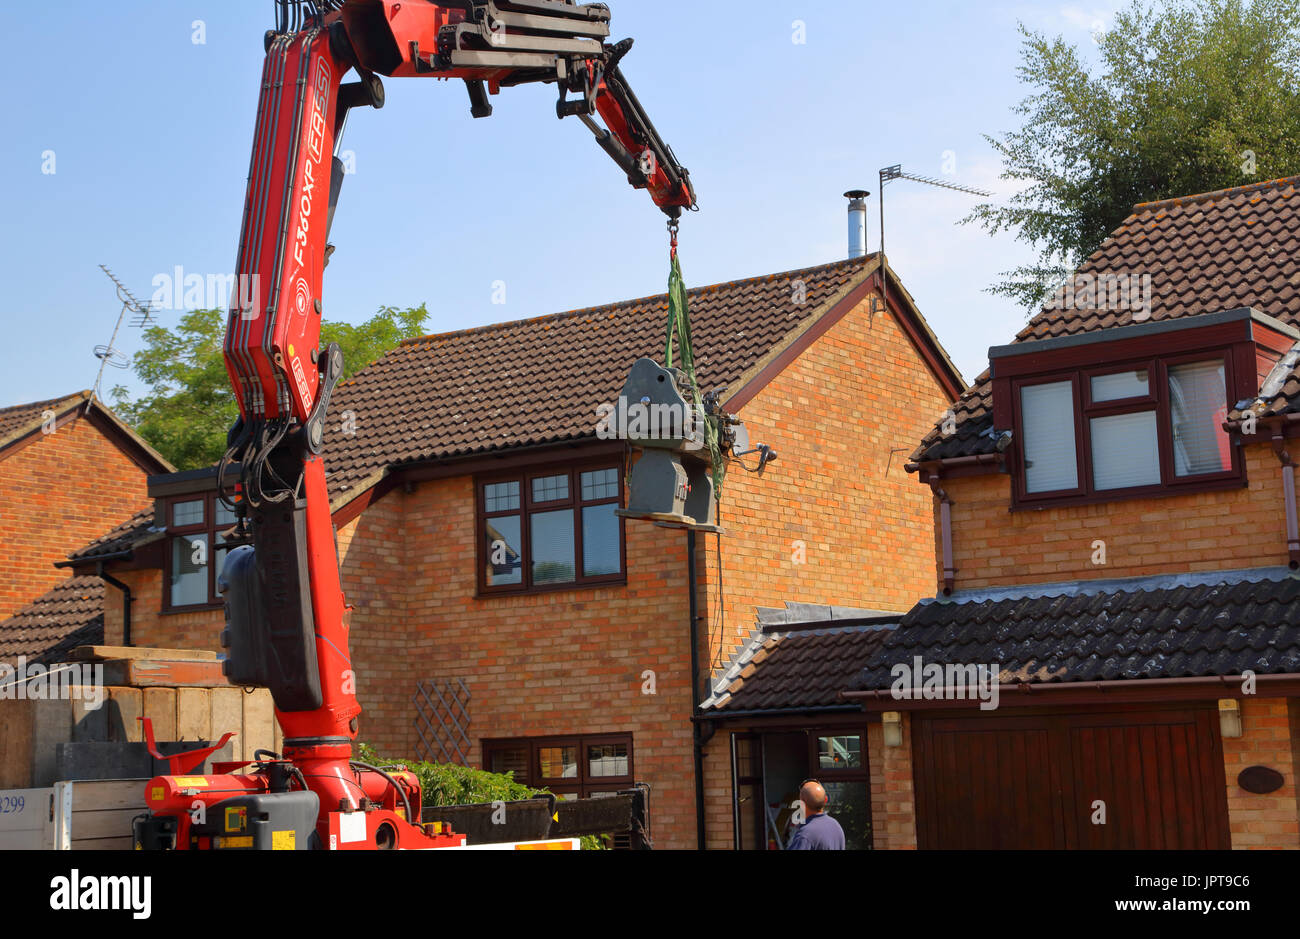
column 1033, row 781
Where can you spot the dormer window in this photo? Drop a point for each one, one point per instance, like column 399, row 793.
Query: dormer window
column 1197, row 409
column 1122, row 429
column 1051, row 455
column 1144, row 427
column 1129, row 412
column 196, row 526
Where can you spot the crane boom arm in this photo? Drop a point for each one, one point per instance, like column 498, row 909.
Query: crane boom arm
column 287, row 618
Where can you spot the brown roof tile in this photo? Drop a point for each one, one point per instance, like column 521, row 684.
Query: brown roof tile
column 70, row 615
column 1205, row 253
column 24, row 417
column 540, row 380
column 803, row 668
column 1167, row 626
column 134, row 531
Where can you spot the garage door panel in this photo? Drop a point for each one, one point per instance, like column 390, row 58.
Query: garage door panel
column 1118, row 763
column 1133, row 784
column 1156, row 780
column 1154, row 795
column 1193, row 797
column 1173, row 785
column 1031, row 781
column 983, row 799
column 1145, row 769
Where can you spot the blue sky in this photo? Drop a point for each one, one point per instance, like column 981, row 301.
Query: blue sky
column 150, row 134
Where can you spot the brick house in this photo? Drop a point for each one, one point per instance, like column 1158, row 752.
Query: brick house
column 570, row 661
column 1116, row 530
column 68, row 468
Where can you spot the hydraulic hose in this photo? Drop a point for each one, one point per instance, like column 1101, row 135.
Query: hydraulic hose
column 392, row 782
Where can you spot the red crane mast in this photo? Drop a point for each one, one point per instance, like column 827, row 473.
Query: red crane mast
column 287, row 617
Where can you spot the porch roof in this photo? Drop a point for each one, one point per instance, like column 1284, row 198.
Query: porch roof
column 799, row 657
column 1212, row 624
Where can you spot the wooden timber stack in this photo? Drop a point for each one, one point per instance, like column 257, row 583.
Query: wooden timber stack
column 191, row 704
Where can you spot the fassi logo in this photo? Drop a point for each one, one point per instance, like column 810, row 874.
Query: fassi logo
column 323, row 76
column 315, row 144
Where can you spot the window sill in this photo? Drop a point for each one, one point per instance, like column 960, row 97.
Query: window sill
column 201, row 608
column 482, row 594
column 1150, row 492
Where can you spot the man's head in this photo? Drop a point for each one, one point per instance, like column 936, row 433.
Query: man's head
column 813, row 797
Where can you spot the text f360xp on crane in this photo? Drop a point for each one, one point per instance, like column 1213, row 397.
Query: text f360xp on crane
column 286, row 616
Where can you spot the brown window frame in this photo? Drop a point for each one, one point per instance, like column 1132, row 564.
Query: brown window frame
column 528, row 506
column 209, row 527
column 1085, row 410
column 860, row 774
column 757, row 811
column 583, row 784
column 846, row 774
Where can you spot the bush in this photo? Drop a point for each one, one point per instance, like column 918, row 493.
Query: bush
column 449, row 784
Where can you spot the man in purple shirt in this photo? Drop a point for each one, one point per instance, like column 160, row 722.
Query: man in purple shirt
column 819, row 832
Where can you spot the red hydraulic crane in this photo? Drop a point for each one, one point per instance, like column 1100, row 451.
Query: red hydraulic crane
column 286, row 615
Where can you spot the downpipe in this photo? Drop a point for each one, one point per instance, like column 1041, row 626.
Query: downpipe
column 1288, row 497
column 127, row 600
column 700, row 733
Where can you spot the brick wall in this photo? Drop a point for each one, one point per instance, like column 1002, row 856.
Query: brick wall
column 843, row 418
column 719, row 819
column 152, row 628
column 565, row 662
column 1269, row 738
column 833, row 416
column 379, row 566
column 568, row 662
column 58, row 492
column 1236, row 528
column 893, row 799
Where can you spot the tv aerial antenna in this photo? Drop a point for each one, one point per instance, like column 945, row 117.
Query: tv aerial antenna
column 141, row 316
column 890, row 173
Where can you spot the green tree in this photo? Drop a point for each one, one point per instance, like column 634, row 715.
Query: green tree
column 368, row 342
column 190, row 405
column 1186, row 98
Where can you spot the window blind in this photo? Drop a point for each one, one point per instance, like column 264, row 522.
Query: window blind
column 1047, row 420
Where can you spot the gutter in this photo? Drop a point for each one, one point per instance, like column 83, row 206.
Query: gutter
column 98, row 560
column 974, row 459
column 126, row 599
column 1028, row 689
column 776, row 712
column 1279, row 419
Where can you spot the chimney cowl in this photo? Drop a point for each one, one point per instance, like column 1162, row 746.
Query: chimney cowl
column 857, row 222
